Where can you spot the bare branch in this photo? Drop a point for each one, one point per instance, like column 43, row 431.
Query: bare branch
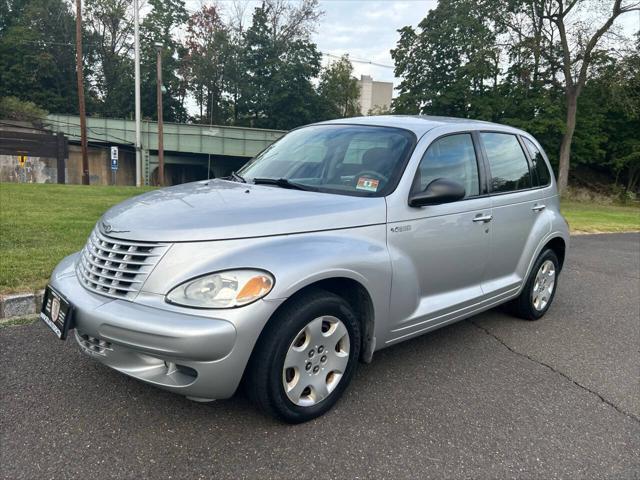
column 615, row 13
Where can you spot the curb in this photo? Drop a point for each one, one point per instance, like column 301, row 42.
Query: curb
column 18, row 305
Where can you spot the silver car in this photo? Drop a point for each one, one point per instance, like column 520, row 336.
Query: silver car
column 341, row 239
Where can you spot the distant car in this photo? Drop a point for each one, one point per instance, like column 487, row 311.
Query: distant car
column 342, row 238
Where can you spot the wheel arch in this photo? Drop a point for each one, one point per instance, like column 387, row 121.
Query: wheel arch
column 355, row 293
column 559, row 247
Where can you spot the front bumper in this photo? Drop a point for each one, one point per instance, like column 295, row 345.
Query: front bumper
column 182, row 350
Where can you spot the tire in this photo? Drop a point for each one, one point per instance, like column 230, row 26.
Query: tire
column 318, row 335
column 533, row 302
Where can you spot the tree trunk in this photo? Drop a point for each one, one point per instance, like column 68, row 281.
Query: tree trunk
column 565, row 146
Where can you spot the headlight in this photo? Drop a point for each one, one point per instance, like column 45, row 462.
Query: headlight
column 228, row 289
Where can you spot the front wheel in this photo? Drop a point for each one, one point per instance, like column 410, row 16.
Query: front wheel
column 540, row 289
column 306, row 357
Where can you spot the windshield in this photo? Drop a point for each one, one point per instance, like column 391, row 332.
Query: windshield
column 346, row 159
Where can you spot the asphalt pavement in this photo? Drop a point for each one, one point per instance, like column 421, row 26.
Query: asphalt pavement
column 488, row 398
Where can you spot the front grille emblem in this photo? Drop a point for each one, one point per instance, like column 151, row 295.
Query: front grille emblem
column 108, row 228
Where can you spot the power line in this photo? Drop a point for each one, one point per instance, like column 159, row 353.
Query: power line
column 358, row 60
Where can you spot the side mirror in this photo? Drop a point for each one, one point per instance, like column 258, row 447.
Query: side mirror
column 441, row 190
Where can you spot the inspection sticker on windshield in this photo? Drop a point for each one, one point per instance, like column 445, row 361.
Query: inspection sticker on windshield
column 368, row 184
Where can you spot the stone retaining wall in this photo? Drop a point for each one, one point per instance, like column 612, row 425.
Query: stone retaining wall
column 18, row 305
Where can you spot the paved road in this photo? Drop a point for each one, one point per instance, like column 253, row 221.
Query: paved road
column 492, row 397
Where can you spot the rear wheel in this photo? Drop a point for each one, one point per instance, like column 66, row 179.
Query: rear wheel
column 540, row 289
column 305, row 358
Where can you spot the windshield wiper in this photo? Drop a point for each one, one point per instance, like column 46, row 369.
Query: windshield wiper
column 282, row 182
column 237, row 177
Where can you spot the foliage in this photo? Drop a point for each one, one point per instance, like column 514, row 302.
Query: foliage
column 110, row 32
column 380, row 110
column 449, row 66
column 504, row 61
column 499, row 60
column 12, row 108
column 260, row 74
column 159, row 28
column 208, row 54
column 37, row 58
column 338, row 89
column 281, row 61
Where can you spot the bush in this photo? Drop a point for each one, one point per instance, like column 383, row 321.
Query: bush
column 12, row 108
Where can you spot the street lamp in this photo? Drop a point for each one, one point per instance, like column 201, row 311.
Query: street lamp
column 159, row 46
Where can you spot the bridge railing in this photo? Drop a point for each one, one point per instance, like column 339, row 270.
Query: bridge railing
column 178, row 137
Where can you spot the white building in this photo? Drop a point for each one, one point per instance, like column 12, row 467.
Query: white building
column 374, row 94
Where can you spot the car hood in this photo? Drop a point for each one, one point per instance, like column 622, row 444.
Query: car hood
column 222, row 210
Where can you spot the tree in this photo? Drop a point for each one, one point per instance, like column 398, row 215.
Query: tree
column 281, row 61
column 12, row 108
column 578, row 46
column 235, row 69
column 209, row 53
column 110, row 35
column 449, row 66
column 338, row 89
column 159, row 26
column 520, row 62
column 37, row 62
column 618, row 95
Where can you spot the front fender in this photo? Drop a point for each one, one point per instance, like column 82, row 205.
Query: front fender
column 296, row 261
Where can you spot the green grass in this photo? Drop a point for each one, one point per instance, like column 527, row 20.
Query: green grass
column 595, row 218
column 41, row 224
column 14, row 322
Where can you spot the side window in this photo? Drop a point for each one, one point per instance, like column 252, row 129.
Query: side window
column 542, row 177
column 452, row 157
column 508, row 164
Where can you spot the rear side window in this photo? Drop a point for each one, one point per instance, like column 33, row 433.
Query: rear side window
column 508, row 164
column 541, row 175
column 452, row 157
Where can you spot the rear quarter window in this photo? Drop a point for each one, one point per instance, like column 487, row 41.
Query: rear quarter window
column 541, row 174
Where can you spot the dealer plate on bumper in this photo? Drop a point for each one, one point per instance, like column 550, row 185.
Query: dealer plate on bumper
column 57, row 313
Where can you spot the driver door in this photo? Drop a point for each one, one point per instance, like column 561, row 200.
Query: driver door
column 439, row 252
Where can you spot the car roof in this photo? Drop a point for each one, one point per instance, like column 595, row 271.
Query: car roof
column 420, row 124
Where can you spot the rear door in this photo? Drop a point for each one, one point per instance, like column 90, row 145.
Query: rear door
column 517, row 226
column 439, row 252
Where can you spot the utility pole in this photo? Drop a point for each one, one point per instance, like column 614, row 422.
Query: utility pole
column 136, row 35
column 158, row 46
column 83, row 119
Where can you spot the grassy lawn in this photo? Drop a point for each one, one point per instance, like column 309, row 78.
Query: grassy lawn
column 40, row 224
column 594, row 218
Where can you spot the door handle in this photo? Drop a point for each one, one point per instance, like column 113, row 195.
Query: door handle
column 538, row 208
column 483, row 218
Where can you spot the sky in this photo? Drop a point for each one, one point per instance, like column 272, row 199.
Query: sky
column 367, row 31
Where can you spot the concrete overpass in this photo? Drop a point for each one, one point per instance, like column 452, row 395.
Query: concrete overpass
column 213, row 147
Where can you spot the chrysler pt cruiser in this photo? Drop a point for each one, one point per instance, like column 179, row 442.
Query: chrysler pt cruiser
column 340, row 239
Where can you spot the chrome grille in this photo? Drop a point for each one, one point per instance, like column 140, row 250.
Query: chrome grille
column 116, row 268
